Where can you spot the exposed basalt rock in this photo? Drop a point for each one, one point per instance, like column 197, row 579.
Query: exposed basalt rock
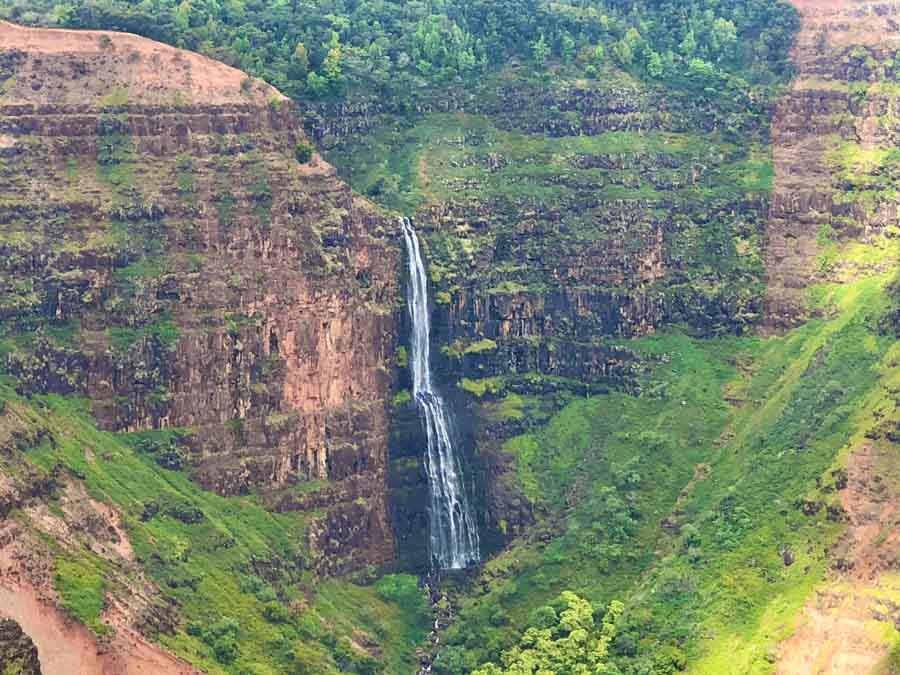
column 17, row 652
column 182, row 269
column 356, row 526
column 555, row 107
column 548, row 250
column 509, row 512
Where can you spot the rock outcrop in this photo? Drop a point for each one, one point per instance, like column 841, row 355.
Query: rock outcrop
column 834, row 135
column 17, row 652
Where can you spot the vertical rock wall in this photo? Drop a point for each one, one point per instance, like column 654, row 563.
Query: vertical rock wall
column 831, row 134
column 176, row 263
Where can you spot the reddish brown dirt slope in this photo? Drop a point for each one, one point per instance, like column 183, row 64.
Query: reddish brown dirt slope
column 838, row 55
column 80, row 67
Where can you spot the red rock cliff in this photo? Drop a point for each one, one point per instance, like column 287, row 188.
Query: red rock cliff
column 155, row 215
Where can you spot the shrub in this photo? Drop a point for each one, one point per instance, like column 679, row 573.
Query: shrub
column 171, row 459
column 275, row 612
column 890, row 322
column 82, row 589
column 225, row 649
column 402, row 589
column 304, row 151
column 221, row 636
column 543, row 617
column 174, row 507
column 309, row 659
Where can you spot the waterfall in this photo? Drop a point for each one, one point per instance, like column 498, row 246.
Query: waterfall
column 454, row 532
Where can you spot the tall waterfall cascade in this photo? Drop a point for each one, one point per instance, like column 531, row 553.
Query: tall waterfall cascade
column 454, row 530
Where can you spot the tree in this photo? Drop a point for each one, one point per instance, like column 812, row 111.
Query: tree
column 723, row 37
column 61, row 14
column 331, row 66
column 316, row 84
column 424, row 44
column 654, row 64
column 301, row 56
column 633, row 39
column 623, row 53
column 569, row 643
column 540, row 50
column 689, row 45
column 567, row 47
column 182, row 16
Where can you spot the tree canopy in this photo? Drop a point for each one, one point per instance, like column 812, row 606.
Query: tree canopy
column 337, row 49
column 567, row 643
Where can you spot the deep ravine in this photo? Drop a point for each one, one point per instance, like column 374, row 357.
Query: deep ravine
column 452, row 523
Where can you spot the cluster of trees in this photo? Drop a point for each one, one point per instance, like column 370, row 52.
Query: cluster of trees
column 335, row 49
column 563, row 642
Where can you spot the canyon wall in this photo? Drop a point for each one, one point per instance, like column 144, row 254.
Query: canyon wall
column 166, row 255
column 833, row 134
column 561, row 220
column 835, row 218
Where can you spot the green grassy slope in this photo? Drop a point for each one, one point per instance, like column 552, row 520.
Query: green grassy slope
column 727, row 443
column 235, row 570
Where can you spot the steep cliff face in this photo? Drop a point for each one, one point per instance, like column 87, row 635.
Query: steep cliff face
column 602, row 252
column 835, row 218
column 670, row 323
column 563, row 219
column 166, row 255
column 197, row 339
column 833, row 134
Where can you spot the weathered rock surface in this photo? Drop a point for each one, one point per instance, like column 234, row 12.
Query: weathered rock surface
column 69, row 67
column 843, row 55
column 843, row 96
column 181, row 268
column 17, row 652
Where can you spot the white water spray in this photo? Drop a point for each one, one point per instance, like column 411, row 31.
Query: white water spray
column 454, row 531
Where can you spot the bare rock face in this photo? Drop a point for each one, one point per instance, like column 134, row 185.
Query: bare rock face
column 838, row 112
column 183, row 268
column 17, row 652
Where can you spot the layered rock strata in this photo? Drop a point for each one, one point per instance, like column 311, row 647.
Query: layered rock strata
column 175, row 262
column 832, row 134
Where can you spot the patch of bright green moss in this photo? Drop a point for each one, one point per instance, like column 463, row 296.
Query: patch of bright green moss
column 459, row 349
column 482, row 387
column 82, row 590
column 123, row 338
column 401, row 399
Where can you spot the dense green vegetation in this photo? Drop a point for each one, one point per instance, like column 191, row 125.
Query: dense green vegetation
column 563, row 643
column 236, row 572
column 729, row 482
column 582, row 190
column 682, row 520
column 332, row 49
